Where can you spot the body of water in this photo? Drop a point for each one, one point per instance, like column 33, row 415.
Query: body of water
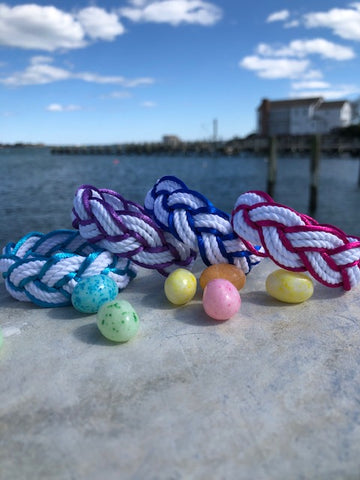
column 37, row 188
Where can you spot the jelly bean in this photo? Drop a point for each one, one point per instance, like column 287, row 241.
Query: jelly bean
column 92, row 292
column 180, row 286
column 221, row 299
column 117, row 321
column 223, row 270
column 289, row 287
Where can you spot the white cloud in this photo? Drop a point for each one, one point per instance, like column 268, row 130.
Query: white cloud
column 138, row 3
column 309, row 84
column 292, row 24
column 278, row 16
column 292, row 61
column 99, row 24
column 48, row 28
column 116, row 80
column 39, row 59
column 54, row 107
column 117, row 95
column 148, row 104
column 312, row 74
column 344, row 22
column 35, row 27
column 57, row 107
column 302, row 48
column 40, row 72
column 333, row 93
column 274, row 68
column 173, row 12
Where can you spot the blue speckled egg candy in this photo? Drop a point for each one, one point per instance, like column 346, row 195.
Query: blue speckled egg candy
column 92, row 292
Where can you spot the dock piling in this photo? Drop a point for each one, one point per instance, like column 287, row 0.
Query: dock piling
column 314, row 172
column 272, row 166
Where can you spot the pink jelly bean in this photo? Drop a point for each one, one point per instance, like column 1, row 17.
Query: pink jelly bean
column 221, row 300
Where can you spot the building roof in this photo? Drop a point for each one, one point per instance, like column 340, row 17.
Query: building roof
column 295, row 102
column 333, row 104
column 292, row 102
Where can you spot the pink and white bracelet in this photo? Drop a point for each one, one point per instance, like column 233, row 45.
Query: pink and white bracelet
column 297, row 242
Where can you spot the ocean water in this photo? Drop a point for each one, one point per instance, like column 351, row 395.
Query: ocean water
column 37, row 187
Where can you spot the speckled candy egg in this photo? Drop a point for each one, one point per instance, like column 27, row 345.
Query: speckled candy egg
column 289, row 287
column 221, row 299
column 92, row 292
column 180, row 286
column 117, row 320
column 223, row 270
column 1, row 338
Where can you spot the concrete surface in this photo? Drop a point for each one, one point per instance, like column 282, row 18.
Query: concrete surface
column 273, row 393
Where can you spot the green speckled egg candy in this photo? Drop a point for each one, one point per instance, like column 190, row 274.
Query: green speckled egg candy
column 117, row 321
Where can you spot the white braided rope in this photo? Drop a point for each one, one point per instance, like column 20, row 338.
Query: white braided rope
column 297, row 242
column 105, row 218
column 45, row 269
column 191, row 218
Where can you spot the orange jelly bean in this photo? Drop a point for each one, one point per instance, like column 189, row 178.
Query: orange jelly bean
column 223, row 270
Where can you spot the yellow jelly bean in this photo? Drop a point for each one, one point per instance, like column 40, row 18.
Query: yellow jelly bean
column 180, row 286
column 289, row 287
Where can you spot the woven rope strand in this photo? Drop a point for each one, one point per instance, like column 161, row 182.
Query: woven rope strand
column 197, row 223
column 297, row 242
column 122, row 227
column 45, row 268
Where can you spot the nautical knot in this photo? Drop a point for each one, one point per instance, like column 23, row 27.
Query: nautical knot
column 107, row 219
column 297, row 242
column 194, row 220
column 45, row 268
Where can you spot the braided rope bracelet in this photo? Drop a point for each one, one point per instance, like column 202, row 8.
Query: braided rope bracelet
column 122, row 227
column 297, row 242
column 175, row 224
column 45, row 268
column 197, row 223
column 128, row 230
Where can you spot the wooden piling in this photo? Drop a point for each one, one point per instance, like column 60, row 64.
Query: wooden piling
column 314, row 172
column 272, row 167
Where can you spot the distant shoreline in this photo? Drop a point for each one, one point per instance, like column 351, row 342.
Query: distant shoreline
column 331, row 144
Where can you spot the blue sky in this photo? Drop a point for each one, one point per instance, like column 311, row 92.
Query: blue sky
column 134, row 70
